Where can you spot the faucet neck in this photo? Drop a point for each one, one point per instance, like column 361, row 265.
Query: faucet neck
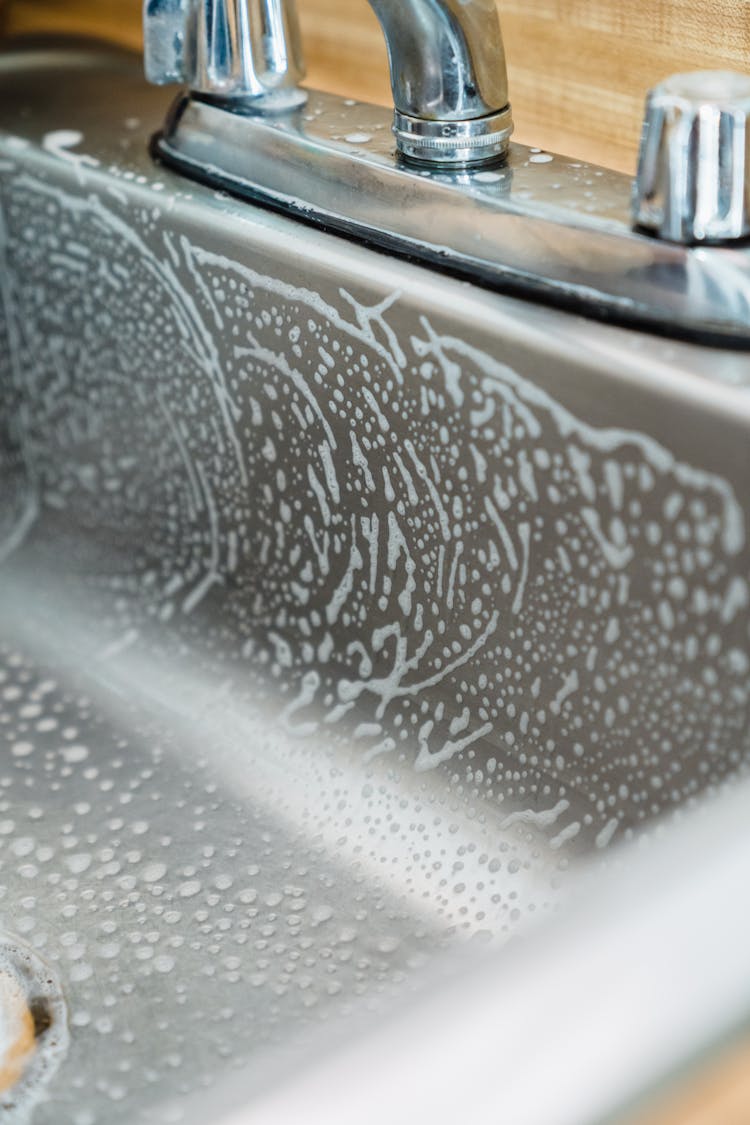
column 449, row 79
column 446, row 57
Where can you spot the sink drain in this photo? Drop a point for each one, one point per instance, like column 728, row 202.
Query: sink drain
column 33, row 1029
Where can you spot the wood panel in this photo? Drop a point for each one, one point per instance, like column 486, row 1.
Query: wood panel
column 579, row 69
column 716, row 1094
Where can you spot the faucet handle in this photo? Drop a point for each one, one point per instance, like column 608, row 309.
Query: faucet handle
column 165, row 24
column 234, row 50
column 693, row 183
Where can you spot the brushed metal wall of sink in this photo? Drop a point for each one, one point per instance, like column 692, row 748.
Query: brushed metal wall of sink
column 344, row 606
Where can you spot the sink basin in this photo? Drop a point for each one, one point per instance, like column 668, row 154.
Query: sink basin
column 355, row 621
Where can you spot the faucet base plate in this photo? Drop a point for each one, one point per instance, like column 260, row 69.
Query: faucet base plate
column 538, row 226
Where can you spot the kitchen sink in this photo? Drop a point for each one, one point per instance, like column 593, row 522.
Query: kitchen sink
column 362, row 632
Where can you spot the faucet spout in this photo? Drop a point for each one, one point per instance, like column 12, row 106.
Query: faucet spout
column 449, row 79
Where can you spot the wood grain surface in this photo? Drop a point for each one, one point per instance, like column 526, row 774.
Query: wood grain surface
column 579, row 70
column 716, row 1093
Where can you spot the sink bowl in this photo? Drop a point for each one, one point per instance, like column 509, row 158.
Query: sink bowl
column 355, row 621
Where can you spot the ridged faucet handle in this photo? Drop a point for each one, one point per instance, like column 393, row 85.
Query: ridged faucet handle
column 234, row 50
column 693, row 182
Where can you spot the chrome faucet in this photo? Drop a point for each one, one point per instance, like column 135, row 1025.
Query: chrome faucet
column 449, row 78
column 452, row 192
column 448, row 73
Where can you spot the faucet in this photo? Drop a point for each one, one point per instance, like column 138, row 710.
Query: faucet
column 448, row 72
column 537, row 225
column 449, row 78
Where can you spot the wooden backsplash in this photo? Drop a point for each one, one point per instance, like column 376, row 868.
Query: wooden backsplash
column 579, row 69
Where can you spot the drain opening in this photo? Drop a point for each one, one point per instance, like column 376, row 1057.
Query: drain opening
column 33, row 1029
column 42, row 1015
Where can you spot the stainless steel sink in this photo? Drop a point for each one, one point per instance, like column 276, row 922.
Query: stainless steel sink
column 354, row 619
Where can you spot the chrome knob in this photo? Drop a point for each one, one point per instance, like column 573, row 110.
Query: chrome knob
column 239, row 51
column 693, row 182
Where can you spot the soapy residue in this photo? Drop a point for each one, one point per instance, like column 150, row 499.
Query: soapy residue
column 532, row 630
